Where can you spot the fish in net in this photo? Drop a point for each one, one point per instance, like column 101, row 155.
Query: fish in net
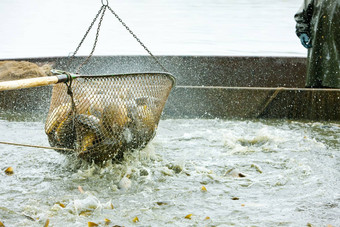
column 100, row 117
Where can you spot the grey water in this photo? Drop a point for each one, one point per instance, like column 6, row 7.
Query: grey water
column 254, row 173
column 195, row 172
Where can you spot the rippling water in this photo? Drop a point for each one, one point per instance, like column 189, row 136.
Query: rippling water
column 256, row 173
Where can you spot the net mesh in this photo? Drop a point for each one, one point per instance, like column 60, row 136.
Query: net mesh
column 108, row 114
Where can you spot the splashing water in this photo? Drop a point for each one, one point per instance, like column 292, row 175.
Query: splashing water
column 262, row 172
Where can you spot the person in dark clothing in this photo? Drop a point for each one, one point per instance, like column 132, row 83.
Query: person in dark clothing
column 318, row 27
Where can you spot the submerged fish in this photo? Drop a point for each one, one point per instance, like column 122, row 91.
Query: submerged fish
column 92, row 224
column 188, row 216
column 102, row 131
column 143, row 123
column 88, row 133
column 135, row 219
column 9, row 171
column 47, row 223
column 92, row 143
column 107, row 221
column 115, row 118
column 58, row 115
column 60, row 128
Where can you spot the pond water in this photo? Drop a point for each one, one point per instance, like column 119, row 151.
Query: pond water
column 195, row 172
column 222, row 173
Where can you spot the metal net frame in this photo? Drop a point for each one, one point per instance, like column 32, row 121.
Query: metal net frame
column 103, row 116
column 99, row 117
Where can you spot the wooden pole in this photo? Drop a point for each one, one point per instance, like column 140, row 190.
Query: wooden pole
column 28, row 83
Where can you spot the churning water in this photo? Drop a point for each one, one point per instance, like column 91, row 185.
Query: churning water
column 194, row 173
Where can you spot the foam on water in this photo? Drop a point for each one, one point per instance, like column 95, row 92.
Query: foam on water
column 254, row 173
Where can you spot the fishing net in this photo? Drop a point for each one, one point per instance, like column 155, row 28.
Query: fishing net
column 100, row 117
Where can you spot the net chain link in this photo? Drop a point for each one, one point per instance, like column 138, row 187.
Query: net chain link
column 138, row 40
column 102, row 12
column 82, row 40
column 103, row 9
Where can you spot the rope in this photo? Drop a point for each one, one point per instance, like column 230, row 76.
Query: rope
column 35, row 146
column 257, row 88
column 70, row 92
column 74, row 110
column 272, row 97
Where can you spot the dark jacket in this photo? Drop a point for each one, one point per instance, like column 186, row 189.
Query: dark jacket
column 320, row 20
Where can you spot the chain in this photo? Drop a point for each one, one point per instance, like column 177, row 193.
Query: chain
column 82, row 40
column 96, row 39
column 102, row 12
column 138, row 40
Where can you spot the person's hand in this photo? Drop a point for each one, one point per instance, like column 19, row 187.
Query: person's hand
column 305, row 40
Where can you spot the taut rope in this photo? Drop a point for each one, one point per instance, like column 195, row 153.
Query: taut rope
column 35, row 146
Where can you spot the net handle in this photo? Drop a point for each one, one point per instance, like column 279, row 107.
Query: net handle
column 33, row 82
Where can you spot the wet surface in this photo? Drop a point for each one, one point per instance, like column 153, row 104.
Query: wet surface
column 260, row 173
column 195, row 172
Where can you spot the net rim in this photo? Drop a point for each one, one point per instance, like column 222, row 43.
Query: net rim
column 173, row 78
column 75, row 76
